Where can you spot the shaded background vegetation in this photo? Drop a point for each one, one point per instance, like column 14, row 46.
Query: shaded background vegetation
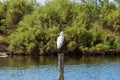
column 90, row 25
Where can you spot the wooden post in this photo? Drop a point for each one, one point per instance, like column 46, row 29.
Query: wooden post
column 61, row 66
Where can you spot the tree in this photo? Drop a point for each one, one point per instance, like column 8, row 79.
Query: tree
column 12, row 11
column 16, row 10
column 87, row 27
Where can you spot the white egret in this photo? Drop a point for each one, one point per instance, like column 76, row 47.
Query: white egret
column 60, row 40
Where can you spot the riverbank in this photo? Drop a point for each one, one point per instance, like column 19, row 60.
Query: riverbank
column 4, row 52
column 85, row 53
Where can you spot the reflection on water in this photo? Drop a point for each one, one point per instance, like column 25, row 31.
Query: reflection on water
column 45, row 68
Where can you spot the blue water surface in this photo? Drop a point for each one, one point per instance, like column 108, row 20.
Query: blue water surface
column 80, row 69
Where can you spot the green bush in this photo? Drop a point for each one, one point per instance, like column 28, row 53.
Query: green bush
column 88, row 26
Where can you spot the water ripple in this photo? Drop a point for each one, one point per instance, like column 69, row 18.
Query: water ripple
column 79, row 69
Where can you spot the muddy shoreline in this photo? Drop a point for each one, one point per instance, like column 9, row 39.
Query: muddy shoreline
column 85, row 53
column 5, row 53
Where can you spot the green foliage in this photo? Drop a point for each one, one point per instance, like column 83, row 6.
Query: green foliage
column 12, row 11
column 71, row 45
column 16, row 10
column 88, row 26
column 2, row 17
column 102, row 46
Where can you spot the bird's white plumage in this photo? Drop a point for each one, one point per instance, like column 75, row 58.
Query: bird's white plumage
column 60, row 40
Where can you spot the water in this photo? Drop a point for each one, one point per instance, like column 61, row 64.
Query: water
column 45, row 68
